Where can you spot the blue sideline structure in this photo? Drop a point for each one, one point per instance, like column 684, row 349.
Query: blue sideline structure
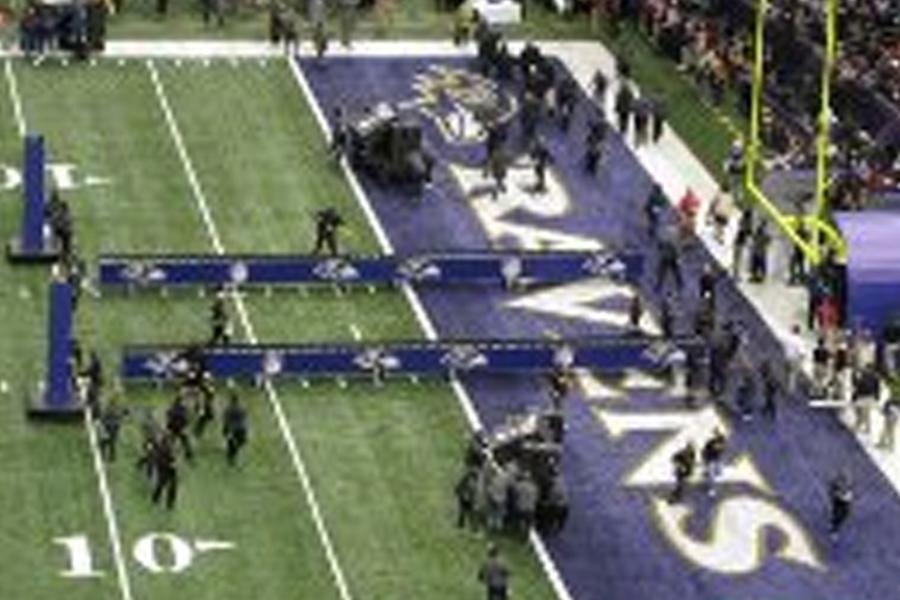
column 31, row 246
column 510, row 268
column 56, row 397
column 607, row 353
column 873, row 267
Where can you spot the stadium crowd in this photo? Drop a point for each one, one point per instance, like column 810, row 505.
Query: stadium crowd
column 711, row 43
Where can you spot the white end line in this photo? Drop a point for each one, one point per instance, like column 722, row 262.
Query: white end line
column 272, row 395
column 108, row 510
column 14, row 96
column 468, row 408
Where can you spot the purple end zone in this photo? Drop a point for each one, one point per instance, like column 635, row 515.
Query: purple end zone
column 613, row 547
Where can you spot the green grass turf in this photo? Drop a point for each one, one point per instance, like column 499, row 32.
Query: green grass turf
column 407, row 19
column 47, row 485
column 383, row 461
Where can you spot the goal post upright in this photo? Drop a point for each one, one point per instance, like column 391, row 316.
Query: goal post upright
column 824, row 233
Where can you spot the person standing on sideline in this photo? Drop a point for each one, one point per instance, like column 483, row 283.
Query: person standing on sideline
column 494, row 574
column 600, row 84
column 797, row 263
column 668, row 264
column 683, row 463
column 891, row 412
column 658, row 118
column 759, row 253
column 866, row 390
column 465, row 492
column 840, row 493
column 166, row 472
column 635, row 314
column 712, row 454
column 234, row 428
column 176, row 424
column 653, row 208
column 770, row 390
column 795, row 353
column 624, row 106
column 741, row 238
column 110, row 424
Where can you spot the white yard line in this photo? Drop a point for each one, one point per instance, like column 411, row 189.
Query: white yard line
column 425, row 323
column 108, row 508
column 355, row 331
column 106, row 500
column 14, row 97
column 274, row 401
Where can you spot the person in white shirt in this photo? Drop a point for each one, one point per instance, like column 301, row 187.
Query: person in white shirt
column 795, row 352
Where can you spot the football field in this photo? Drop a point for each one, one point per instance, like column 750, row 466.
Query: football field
column 344, row 491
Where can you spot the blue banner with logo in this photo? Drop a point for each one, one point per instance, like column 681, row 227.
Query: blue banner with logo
column 442, row 268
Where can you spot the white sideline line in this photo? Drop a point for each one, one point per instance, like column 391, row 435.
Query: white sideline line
column 14, row 97
column 106, row 497
column 272, row 395
column 106, row 500
column 556, row 581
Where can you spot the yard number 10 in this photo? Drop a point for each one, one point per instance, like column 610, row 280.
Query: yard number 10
column 179, row 553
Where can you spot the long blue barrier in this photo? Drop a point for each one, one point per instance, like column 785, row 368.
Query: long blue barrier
column 611, row 354
column 440, row 268
column 31, row 246
column 56, row 397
